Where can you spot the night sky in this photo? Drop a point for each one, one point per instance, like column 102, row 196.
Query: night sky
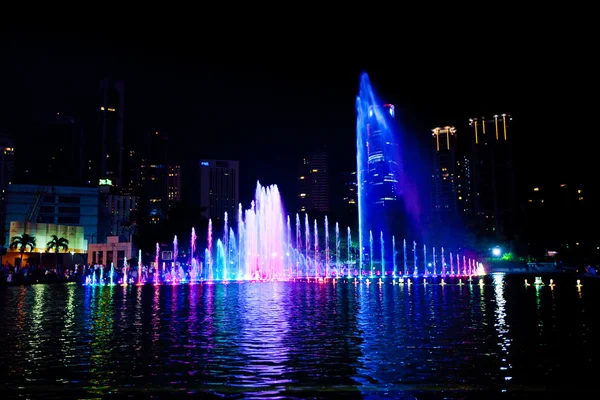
column 266, row 105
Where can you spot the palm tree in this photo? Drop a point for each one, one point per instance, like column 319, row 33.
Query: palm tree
column 21, row 243
column 58, row 243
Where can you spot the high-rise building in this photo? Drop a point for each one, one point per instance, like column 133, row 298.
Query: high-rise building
column 219, row 188
column 444, row 196
column 7, row 170
column 382, row 175
column 464, row 186
column 174, row 183
column 313, row 183
column 493, row 179
column 111, row 114
column 154, row 177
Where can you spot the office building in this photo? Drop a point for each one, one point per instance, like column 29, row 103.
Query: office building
column 493, row 179
column 219, row 188
column 313, row 183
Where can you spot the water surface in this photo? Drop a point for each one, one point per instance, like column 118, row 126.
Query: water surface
column 298, row 340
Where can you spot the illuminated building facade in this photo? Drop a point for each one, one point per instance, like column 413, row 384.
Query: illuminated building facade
column 464, row 189
column 383, row 169
column 444, row 186
column 114, row 250
column 493, row 175
column 219, row 188
column 313, row 183
column 56, row 205
column 382, row 209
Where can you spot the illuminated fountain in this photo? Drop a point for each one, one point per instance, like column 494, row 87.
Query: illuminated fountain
column 263, row 243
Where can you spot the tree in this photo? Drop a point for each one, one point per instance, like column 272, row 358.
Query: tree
column 58, row 243
column 21, row 243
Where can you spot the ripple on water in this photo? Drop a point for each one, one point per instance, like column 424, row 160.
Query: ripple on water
column 284, row 340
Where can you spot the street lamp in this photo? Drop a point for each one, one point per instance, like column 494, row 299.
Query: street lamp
column 496, row 251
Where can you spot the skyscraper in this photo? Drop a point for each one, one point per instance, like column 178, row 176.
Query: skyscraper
column 494, row 198
column 443, row 183
column 313, row 183
column 174, row 183
column 219, row 188
column 111, row 116
column 382, row 151
column 7, row 170
column 154, row 176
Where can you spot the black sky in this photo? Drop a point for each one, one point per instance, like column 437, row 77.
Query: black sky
column 266, row 104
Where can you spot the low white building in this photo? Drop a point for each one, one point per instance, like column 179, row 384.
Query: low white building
column 113, row 251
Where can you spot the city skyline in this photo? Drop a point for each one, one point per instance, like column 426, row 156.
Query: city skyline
column 254, row 111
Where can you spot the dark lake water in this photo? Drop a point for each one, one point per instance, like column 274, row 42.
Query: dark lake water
column 300, row 340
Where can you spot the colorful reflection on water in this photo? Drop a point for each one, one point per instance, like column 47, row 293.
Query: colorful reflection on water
column 299, row 340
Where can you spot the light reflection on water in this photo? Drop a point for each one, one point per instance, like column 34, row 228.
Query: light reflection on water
column 294, row 340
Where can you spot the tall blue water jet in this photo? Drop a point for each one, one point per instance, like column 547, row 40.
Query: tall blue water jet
column 434, row 263
column 372, row 268
column 443, row 263
column 395, row 254
column 349, row 253
column 416, row 259
column 424, row 259
column 112, row 273
column 405, row 257
column 386, row 202
column 382, row 253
